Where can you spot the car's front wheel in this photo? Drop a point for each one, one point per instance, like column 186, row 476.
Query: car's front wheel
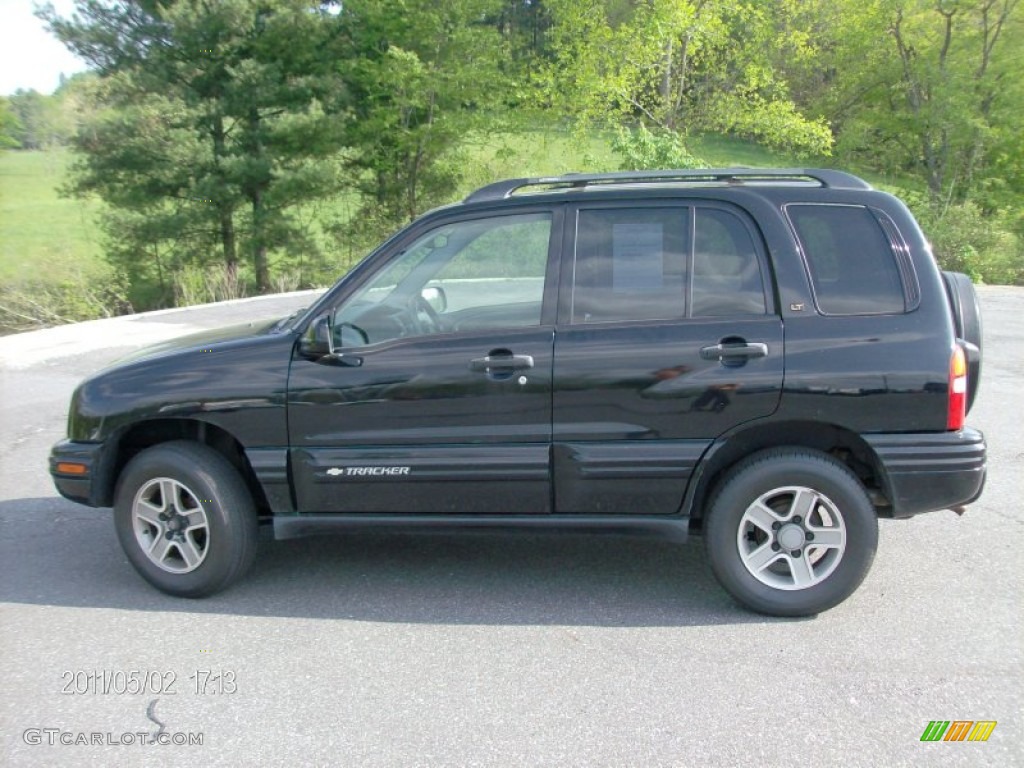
column 185, row 519
column 790, row 532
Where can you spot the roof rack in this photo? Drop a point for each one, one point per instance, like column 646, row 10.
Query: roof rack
column 825, row 177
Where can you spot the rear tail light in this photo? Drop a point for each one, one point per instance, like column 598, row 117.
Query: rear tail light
column 957, row 413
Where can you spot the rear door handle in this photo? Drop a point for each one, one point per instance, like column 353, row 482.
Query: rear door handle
column 501, row 363
column 734, row 351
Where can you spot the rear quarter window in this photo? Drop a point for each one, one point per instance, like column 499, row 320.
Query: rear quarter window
column 850, row 261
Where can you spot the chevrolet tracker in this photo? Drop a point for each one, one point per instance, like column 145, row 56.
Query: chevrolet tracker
column 769, row 358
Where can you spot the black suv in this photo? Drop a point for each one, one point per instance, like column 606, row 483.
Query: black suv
column 771, row 358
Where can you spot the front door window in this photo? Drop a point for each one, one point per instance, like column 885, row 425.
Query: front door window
column 461, row 277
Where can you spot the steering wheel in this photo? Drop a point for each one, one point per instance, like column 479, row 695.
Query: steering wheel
column 420, row 305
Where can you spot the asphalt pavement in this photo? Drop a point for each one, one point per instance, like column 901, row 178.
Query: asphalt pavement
column 491, row 650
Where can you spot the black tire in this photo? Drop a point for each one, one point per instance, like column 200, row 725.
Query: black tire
column 755, row 508
column 211, row 545
column 963, row 300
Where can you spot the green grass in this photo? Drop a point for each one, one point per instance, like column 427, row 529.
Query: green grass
column 551, row 152
column 534, row 153
column 42, row 235
column 727, row 151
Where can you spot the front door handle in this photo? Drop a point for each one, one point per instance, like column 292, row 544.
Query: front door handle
column 501, row 363
column 730, row 351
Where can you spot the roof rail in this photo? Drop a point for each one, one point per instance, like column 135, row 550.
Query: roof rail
column 825, row 177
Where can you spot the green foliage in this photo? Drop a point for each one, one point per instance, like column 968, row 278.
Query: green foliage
column 211, row 128
column 984, row 247
column 37, row 120
column 774, row 123
column 217, row 123
column 641, row 149
column 932, row 89
column 196, row 285
column 523, row 25
column 418, row 79
column 10, row 126
column 39, row 303
column 32, row 120
column 681, row 65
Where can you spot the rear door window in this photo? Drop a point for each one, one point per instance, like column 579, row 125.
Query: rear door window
column 726, row 270
column 630, row 264
column 664, row 263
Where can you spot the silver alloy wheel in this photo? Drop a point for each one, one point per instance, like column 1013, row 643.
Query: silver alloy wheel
column 170, row 525
column 791, row 538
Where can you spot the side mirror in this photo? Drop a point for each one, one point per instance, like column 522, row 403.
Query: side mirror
column 317, row 344
column 435, row 297
column 318, row 340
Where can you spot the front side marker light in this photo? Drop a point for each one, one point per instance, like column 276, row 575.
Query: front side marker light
column 72, row 468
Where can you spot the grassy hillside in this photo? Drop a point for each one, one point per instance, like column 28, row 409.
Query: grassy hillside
column 546, row 153
column 43, row 235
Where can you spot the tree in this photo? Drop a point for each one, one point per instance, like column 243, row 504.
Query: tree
column 930, row 87
column 420, row 79
column 213, row 128
column 523, row 24
column 10, row 127
column 40, row 119
column 679, row 64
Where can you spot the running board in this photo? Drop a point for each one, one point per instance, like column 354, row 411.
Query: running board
column 293, row 527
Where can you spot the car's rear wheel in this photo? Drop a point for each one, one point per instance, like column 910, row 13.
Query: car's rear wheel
column 790, row 532
column 185, row 519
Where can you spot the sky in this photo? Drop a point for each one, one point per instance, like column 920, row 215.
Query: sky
column 30, row 57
